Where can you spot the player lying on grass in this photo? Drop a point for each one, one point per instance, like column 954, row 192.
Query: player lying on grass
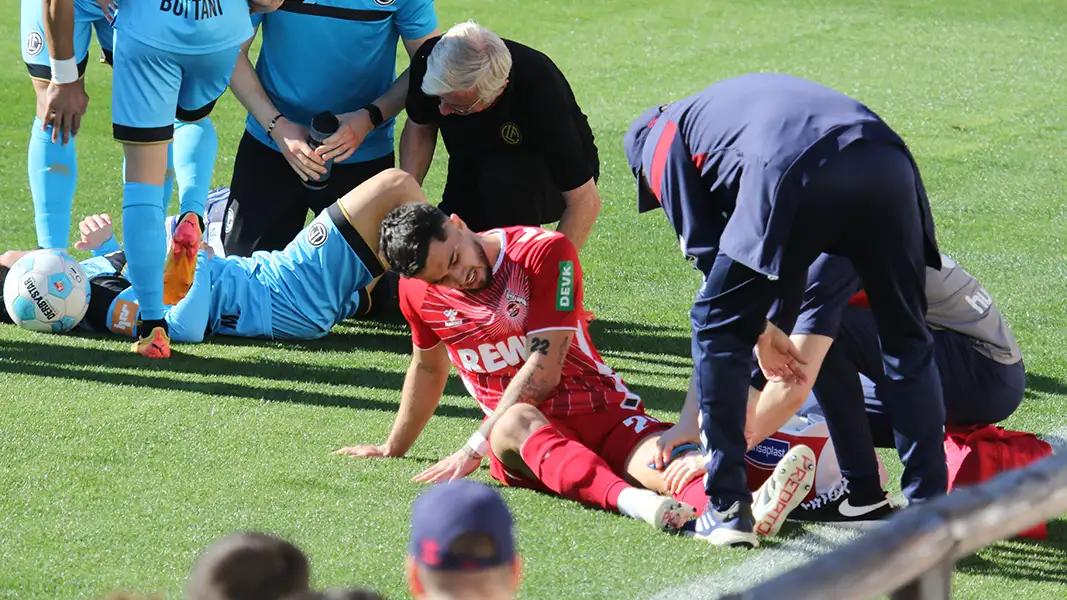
column 504, row 307
column 300, row 292
column 982, row 377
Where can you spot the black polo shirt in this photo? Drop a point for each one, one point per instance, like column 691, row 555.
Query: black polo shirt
column 535, row 115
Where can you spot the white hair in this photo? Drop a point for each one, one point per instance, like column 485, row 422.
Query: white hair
column 468, row 56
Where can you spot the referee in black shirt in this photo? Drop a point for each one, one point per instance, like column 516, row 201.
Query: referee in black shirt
column 520, row 150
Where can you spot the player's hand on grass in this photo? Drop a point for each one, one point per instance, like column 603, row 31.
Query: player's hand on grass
column 684, row 469
column 354, row 128
column 457, row 466
column 95, row 230
column 364, row 451
column 682, row 433
column 292, row 141
column 779, row 358
column 64, row 105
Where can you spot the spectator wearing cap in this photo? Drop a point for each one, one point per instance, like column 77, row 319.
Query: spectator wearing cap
column 249, row 566
column 520, row 150
column 462, row 545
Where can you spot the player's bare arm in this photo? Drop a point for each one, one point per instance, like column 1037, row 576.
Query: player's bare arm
column 546, row 351
column 367, row 204
column 780, row 400
column 417, row 145
column 63, row 101
column 356, row 125
column 423, row 386
column 583, row 208
column 290, row 137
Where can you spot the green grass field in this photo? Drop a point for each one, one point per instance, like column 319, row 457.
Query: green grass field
column 116, row 472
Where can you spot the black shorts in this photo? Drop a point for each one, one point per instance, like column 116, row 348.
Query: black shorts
column 503, row 191
column 268, row 202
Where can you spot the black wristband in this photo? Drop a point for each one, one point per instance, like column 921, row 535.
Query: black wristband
column 375, row 113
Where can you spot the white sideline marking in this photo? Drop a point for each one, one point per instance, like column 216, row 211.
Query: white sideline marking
column 763, row 564
column 766, row 563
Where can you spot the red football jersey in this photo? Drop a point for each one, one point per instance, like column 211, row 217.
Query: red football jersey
column 536, row 286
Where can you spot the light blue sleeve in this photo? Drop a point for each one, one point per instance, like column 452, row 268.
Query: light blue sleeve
column 97, row 266
column 111, row 245
column 416, row 19
column 187, row 319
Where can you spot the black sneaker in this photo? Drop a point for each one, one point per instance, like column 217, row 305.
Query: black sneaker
column 834, row 507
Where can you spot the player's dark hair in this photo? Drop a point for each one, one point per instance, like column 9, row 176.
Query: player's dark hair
column 4, row 317
column 249, row 566
column 406, row 234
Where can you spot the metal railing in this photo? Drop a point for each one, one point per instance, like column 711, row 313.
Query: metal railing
column 912, row 556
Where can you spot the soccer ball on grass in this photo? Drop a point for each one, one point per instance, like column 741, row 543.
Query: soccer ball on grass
column 47, row 290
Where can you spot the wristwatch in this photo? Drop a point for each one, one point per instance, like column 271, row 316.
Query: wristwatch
column 375, row 113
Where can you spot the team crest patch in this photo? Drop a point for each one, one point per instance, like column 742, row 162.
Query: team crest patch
column 317, row 234
column 509, row 132
column 34, row 43
column 384, row 2
column 230, row 215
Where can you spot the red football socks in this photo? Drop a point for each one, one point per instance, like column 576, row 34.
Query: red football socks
column 571, row 470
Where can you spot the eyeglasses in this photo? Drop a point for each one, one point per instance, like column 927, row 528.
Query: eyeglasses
column 460, row 110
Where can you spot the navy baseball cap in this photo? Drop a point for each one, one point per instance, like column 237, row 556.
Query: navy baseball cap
column 634, row 145
column 447, row 511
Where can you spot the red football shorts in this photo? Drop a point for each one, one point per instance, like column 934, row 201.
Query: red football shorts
column 611, row 433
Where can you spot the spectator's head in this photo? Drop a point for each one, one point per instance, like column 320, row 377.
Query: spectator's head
column 467, row 70
column 419, row 241
column 249, row 566
column 462, row 545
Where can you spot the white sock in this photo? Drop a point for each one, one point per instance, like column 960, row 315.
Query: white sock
column 640, row 504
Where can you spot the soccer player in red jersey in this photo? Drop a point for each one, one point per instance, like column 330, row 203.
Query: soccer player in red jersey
column 505, row 307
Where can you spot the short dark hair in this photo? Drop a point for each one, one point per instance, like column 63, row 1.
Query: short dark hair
column 4, row 317
column 406, row 234
column 249, row 566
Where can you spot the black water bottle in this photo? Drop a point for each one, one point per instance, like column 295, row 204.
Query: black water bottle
column 323, row 126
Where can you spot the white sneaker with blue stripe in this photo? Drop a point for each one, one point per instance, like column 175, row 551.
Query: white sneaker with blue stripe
column 731, row 527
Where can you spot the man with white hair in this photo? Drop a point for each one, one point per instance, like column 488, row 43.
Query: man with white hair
column 520, row 149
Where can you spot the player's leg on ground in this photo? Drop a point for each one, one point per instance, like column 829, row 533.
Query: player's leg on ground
column 145, row 92
column 265, row 210
column 525, row 441
column 727, row 318
column 52, row 167
column 887, row 247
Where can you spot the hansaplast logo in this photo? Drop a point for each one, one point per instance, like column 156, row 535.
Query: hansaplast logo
column 767, row 453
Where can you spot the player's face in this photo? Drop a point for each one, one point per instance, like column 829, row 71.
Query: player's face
column 9, row 258
column 458, row 262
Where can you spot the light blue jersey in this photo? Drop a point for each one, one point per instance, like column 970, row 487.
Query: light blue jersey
column 336, row 55
column 300, row 292
column 185, row 26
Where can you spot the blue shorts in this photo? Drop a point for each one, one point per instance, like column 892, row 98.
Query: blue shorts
column 152, row 87
column 87, row 16
column 320, row 278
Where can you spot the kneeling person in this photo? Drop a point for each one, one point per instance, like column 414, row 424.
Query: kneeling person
column 504, row 307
